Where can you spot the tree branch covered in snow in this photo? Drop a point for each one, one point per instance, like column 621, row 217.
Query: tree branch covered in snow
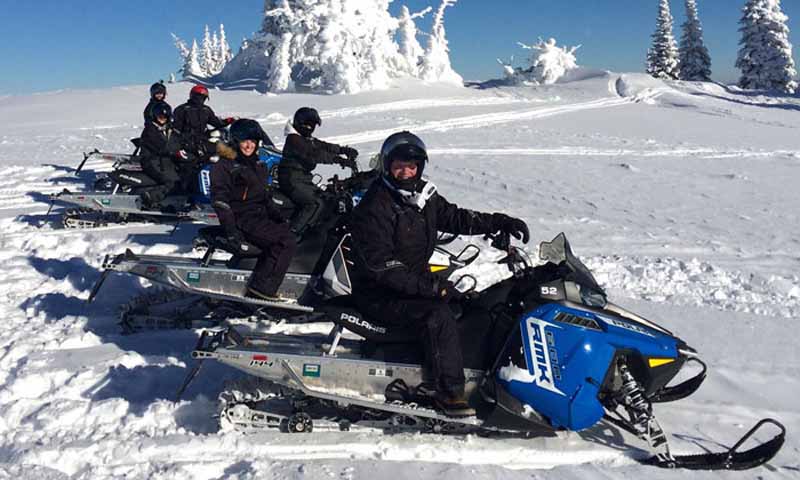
column 546, row 64
column 436, row 66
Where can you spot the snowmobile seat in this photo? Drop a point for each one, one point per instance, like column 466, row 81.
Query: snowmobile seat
column 216, row 239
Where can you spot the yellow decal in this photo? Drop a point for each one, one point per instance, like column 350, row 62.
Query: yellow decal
column 657, row 362
column 438, row 268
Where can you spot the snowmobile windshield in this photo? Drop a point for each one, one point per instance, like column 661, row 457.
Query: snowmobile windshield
column 558, row 251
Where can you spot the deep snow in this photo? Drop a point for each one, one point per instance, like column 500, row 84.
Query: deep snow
column 682, row 198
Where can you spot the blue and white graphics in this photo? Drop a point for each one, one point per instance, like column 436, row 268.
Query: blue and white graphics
column 542, row 354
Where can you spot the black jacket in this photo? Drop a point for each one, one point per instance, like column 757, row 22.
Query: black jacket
column 157, row 141
column 392, row 241
column 301, row 156
column 239, row 189
column 191, row 120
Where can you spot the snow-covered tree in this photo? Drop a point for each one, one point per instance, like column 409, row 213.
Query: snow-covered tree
column 662, row 57
column 207, row 61
column 192, row 65
column 325, row 45
column 547, row 63
column 765, row 56
column 436, row 65
column 410, row 49
column 695, row 63
column 225, row 53
column 207, row 54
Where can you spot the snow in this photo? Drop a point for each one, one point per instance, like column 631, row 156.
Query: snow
column 681, row 196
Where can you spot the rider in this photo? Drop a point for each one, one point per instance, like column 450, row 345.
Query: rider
column 394, row 231
column 245, row 209
column 158, row 92
column 161, row 149
column 192, row 119
column 301, row 154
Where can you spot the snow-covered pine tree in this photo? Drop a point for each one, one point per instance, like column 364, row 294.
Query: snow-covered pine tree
column 192, row 66
column 410, row 49
column 765, row 56
column 695, row 63
column 224, row 54
column 436, row 65
column 207, row 55
column 662, row 57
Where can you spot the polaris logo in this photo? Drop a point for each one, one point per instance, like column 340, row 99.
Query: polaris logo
column 352, row 319
column 540, row 354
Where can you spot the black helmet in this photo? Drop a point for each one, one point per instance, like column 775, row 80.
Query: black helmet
column 306, row 119
column 162, row 109
column 245, row 129
column 157, row 88
column 406, row 146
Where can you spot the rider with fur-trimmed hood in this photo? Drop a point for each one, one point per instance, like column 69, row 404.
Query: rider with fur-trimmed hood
column 243, row 203
column 301, row 154
column 394, row 230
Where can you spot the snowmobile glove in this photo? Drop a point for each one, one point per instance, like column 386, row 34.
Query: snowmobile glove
column 349, row 152
column 237, row 242
column 512, row 226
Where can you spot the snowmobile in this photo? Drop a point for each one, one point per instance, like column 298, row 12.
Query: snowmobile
column 544, row 351
column 206, row 289
column 116, row 196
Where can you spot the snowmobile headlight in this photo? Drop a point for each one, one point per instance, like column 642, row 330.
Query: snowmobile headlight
column 657, row 362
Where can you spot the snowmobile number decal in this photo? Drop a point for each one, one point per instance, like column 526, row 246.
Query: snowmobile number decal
column 541, row 354
column 260, row 361
column 311, row 370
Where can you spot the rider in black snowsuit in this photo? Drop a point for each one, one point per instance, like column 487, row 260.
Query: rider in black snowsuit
column 160, row 150
column 158, row 92
column 191, row 121
column 301, row 154
column 394, row 230
column 246, row 212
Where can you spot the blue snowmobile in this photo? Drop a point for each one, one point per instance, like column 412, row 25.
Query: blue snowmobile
column 544, row 351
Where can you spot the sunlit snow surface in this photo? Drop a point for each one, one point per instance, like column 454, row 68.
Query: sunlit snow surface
column 683, row 200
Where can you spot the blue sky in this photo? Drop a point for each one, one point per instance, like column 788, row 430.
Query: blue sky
column 53, row 44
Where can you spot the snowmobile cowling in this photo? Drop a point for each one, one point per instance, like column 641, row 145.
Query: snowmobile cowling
column 567, row 355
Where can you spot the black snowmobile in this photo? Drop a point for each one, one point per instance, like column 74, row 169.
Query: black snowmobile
column 544, row 351
column 115, row 197
column 207, row 289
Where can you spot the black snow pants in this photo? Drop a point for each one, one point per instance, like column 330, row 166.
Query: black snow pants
column 277, row 244
column 308, row 202
column 437, row 328
column 165, row 173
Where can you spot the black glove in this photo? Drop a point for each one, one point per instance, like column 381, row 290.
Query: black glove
column 514, row 227
column 237, row 242
column 349, row 152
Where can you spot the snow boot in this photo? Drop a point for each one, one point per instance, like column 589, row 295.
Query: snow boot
column 455, row 406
